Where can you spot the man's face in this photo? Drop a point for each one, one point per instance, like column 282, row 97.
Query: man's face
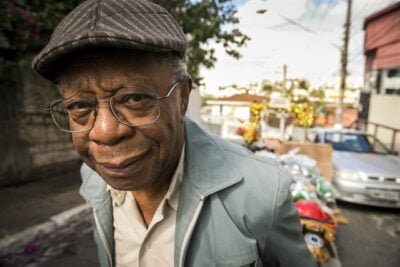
column 128, row 158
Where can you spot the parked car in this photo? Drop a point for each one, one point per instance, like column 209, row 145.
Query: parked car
column 364, row 171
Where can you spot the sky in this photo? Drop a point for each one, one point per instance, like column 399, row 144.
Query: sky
column 306, row 35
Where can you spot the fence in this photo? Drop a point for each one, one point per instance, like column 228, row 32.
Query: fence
column 389, row 135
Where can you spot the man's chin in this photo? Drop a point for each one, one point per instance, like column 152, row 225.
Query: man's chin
column 131, row 181
column 123, row 184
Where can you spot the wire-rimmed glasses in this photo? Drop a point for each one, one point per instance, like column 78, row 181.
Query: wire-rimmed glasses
column 130, row 107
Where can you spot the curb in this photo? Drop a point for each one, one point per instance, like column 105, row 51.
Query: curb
column 11, row 242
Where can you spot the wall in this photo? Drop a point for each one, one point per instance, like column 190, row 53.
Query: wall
column 385, row 110
column 31, row 146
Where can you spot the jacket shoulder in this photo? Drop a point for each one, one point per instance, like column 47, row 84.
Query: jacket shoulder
column 255, row 202
column 256, row 170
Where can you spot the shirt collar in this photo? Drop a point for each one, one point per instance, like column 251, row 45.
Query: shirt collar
column 118, row 196
column 172, row 195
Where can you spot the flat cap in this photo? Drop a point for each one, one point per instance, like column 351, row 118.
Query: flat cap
column 131, row 24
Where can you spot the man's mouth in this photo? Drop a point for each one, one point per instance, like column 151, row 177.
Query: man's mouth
column 121, row 167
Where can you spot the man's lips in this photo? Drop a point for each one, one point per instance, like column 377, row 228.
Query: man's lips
column 118, row 165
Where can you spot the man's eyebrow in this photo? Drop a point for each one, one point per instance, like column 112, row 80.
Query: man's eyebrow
column 77, row 85
column 135, row 78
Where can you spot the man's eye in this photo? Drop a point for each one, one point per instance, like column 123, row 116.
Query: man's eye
column 79, row 105
column 133, row 99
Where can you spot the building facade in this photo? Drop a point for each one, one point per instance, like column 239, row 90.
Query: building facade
column 381, row 96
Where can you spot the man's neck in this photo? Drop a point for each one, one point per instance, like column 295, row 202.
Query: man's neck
column 148, row 201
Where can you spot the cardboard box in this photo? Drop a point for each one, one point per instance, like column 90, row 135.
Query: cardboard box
column 321, row 153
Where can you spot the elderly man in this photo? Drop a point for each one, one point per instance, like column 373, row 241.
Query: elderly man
column 163, row 192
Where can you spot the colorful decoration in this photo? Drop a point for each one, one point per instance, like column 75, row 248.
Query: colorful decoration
column 255, row 110
column 251, row 131
column 304, row 112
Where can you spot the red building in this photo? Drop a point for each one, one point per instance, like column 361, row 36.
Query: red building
column 381, row 97
column 382, row 50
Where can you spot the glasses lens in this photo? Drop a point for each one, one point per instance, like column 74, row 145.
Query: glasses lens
column 135, row 109
column 73, row 115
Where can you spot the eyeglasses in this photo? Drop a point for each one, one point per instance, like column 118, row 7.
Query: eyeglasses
column 130, row 107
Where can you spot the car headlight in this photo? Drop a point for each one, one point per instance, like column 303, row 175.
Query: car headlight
column 348, row 175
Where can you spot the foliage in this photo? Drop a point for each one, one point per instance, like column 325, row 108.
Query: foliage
column 303, row 84
column 203, row 21
column 268, row 88
column 27, row 25
column 318, row 93
column 205, row 98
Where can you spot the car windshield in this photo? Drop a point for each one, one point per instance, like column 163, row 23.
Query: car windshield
column 355, row 142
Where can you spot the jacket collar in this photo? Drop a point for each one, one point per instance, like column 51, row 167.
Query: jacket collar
column 94, row 188
column 207, row 168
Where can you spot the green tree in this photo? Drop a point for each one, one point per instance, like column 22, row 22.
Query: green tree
column 318, row 93
column 203, row 21
column 27, row 25
column 303, row 84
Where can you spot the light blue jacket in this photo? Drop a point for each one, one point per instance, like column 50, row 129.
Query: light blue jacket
column 234, row 209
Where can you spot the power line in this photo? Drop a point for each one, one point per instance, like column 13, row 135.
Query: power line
column 314, row 12
column 362, row 14
column 362, row 10
column 293, row 22
column 328, row 7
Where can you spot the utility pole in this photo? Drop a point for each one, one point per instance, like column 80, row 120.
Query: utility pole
column 284, row 77
column 343, row 64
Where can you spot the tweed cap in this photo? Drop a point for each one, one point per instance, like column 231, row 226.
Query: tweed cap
column 132, row 24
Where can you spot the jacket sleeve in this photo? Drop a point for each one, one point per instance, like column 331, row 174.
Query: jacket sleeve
column 285, row 245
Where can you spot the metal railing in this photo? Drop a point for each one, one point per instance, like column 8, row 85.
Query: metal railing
column 364, row 125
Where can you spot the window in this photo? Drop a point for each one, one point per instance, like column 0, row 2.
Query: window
column 355, row 142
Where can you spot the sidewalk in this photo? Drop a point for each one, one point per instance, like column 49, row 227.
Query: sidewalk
column 38, row 207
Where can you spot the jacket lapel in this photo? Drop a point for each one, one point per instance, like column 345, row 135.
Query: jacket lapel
column 207, row 171
column 94, row 190
column 206, row 166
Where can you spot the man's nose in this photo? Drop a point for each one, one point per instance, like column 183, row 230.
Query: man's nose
column 107, row 130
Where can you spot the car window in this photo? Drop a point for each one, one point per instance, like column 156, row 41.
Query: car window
column 352, row 142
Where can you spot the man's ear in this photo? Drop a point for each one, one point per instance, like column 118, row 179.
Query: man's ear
column 186, row 88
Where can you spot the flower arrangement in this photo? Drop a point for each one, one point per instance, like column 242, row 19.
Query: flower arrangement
column 305, row 114
column 251, row 131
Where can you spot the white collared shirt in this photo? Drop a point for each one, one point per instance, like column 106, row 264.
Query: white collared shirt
column 138, row 245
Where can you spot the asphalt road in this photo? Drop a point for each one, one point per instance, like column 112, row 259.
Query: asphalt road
column 371, row 239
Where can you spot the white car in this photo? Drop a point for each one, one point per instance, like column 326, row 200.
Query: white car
column 363, row 170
